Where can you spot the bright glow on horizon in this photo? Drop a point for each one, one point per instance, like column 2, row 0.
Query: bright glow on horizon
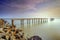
column 42, row 14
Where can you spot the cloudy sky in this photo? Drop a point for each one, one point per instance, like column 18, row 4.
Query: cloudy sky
column 29, row 8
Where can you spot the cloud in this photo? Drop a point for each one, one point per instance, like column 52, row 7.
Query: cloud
column 20, row 4
column 27, row 4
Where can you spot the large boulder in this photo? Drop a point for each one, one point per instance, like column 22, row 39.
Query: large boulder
column 35, row 38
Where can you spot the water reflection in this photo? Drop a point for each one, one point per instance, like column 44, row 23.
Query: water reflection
column 29, row 22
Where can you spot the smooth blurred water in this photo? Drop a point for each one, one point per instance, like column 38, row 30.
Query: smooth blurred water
column 47, row 31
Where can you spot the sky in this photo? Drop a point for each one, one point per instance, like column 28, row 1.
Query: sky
column 29, row 8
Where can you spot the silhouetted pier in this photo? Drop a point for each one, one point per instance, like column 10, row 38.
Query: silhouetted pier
column 31, row 20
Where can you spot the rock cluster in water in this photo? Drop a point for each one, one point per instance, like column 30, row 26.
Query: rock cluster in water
column 8, row 32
